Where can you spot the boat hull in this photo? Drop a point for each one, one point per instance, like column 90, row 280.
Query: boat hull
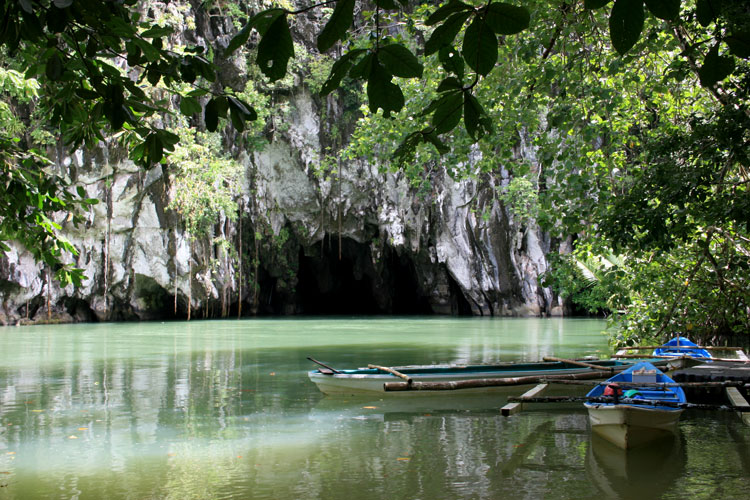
column 370, row 381
column 630, row 426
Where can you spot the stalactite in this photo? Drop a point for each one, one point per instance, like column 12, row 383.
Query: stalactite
column 339, row 208
column 49, row 311
column 256, row 286
column 190, row 278
column 239, row 272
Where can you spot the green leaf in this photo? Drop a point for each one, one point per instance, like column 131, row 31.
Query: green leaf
column 450, row 83
column 237, row 119
column 595, row 4
column 382, row 93
column 399, row 61
column 706, row 11
column 54, row 67
column 363, row 67
column 169, row 139
column 153, row 75
column 715, row 68
column 446, row 32
column 157, row 32
column 664, row 9
column 480, row 47
column 739, row 44
column 448, row 112
column 243, row 109
column 238, row 40
column 154, row 149
column 506, row 19
column 262, row 20
column 476, row 121
column 189, row 106
column 187, row 72
column 339, row 70
column 386, row 4
column 152, row 53
column 626, row 24
column 337, row 26
column 275, row 49
column 446, row 10
column 212, row 115
column 433, row 139
column 452, row 61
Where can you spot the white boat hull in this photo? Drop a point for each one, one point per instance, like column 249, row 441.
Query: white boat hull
column 355, row 384
column 629, row 426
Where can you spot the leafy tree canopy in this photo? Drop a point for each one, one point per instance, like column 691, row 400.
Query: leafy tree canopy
column 637, row 109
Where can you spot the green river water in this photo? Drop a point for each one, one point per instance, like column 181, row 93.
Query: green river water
column 224, row 409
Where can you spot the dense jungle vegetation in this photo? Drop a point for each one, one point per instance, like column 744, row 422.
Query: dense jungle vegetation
column 636, row 112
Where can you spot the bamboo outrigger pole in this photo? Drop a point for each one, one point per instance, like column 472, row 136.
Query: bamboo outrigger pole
column 453, row 385
column 708, row 348
column 391, row 371
column 627, row 401
column 578, row 363
column 726, row 383
column 640, row 356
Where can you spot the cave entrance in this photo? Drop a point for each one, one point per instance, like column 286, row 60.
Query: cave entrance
column 353, row 286
column 330, row 286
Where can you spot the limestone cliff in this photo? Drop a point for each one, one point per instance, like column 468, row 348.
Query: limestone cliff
column 362, row 242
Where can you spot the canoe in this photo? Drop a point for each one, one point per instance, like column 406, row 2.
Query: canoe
column 642, row 413
column 363, row 381
column 681, row 346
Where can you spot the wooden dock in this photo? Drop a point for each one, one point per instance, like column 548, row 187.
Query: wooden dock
column 718, row 371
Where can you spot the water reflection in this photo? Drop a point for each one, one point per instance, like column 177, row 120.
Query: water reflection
column 642, row 472
column 225, row 410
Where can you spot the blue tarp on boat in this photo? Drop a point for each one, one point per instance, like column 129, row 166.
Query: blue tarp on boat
column 681, row 346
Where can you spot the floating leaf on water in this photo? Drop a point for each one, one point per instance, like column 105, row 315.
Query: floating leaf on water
column 72, row 437
column 83, row 428
column 403, row 458
column 11, row 453
column 370, row 407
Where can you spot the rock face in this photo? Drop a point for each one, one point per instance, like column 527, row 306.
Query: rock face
column 361, row 243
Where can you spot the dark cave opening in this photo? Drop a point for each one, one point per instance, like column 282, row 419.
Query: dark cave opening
column 329, row 286
column 404, row 284
column 354, row 285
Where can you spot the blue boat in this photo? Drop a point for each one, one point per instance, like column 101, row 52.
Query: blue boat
column 680, row 346
column 641, row 410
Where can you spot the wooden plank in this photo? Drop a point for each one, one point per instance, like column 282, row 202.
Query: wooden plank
column 577, row 363
column 391, row 371
column 452, row 385
column 726, row 383
column 706, row 347
column 512, row 408
column 648, row 356
column 628, row 401
column 737, row 400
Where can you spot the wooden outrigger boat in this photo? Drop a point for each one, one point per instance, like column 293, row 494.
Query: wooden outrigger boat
column 466, row 378
column 640, row 414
